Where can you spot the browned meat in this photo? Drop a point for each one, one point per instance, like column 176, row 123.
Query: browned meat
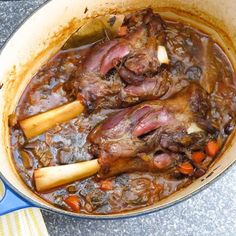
column 130, row 77
column 96, row 91
column 144, row 60
column 149, row 163
column 162, row 86
column 89, row 81
column 155, row 24
column 134, row 56
column 148, row 128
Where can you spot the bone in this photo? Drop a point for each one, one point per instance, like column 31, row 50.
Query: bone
column 162, row 55
column 38, row 124
column 55, row 176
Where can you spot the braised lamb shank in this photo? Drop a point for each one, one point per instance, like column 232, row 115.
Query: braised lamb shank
column 126, row 70
column 153, row 135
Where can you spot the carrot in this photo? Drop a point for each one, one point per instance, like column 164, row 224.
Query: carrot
column 185, row 168
column 198, row 157
column 106, row 185
column 73, row 202
column 212, row 148
column 122, row 31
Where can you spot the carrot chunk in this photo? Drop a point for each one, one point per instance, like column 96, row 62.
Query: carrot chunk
column 106, row 185
column 198, row 157
column 73, row 202
column 185, row 168
column 212, row 148
column 123, row 30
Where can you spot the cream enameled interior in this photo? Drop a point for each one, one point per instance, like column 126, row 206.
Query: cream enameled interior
column 46, row 31
column 2, row 190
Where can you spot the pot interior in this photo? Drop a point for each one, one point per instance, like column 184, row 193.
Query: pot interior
column 44, row 33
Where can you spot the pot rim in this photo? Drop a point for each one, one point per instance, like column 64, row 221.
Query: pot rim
column 125, row 215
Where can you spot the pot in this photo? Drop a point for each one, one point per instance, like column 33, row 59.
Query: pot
column 44, row 33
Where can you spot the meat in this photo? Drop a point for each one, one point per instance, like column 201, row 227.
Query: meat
column 89, row 81
column 144, row 60
column 147, row 129
column 95, row 91
column 130, row 77
column 112, row 64
column 146, row 163
column 162, row 86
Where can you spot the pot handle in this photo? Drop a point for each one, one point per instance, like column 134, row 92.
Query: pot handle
column 11, row 201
